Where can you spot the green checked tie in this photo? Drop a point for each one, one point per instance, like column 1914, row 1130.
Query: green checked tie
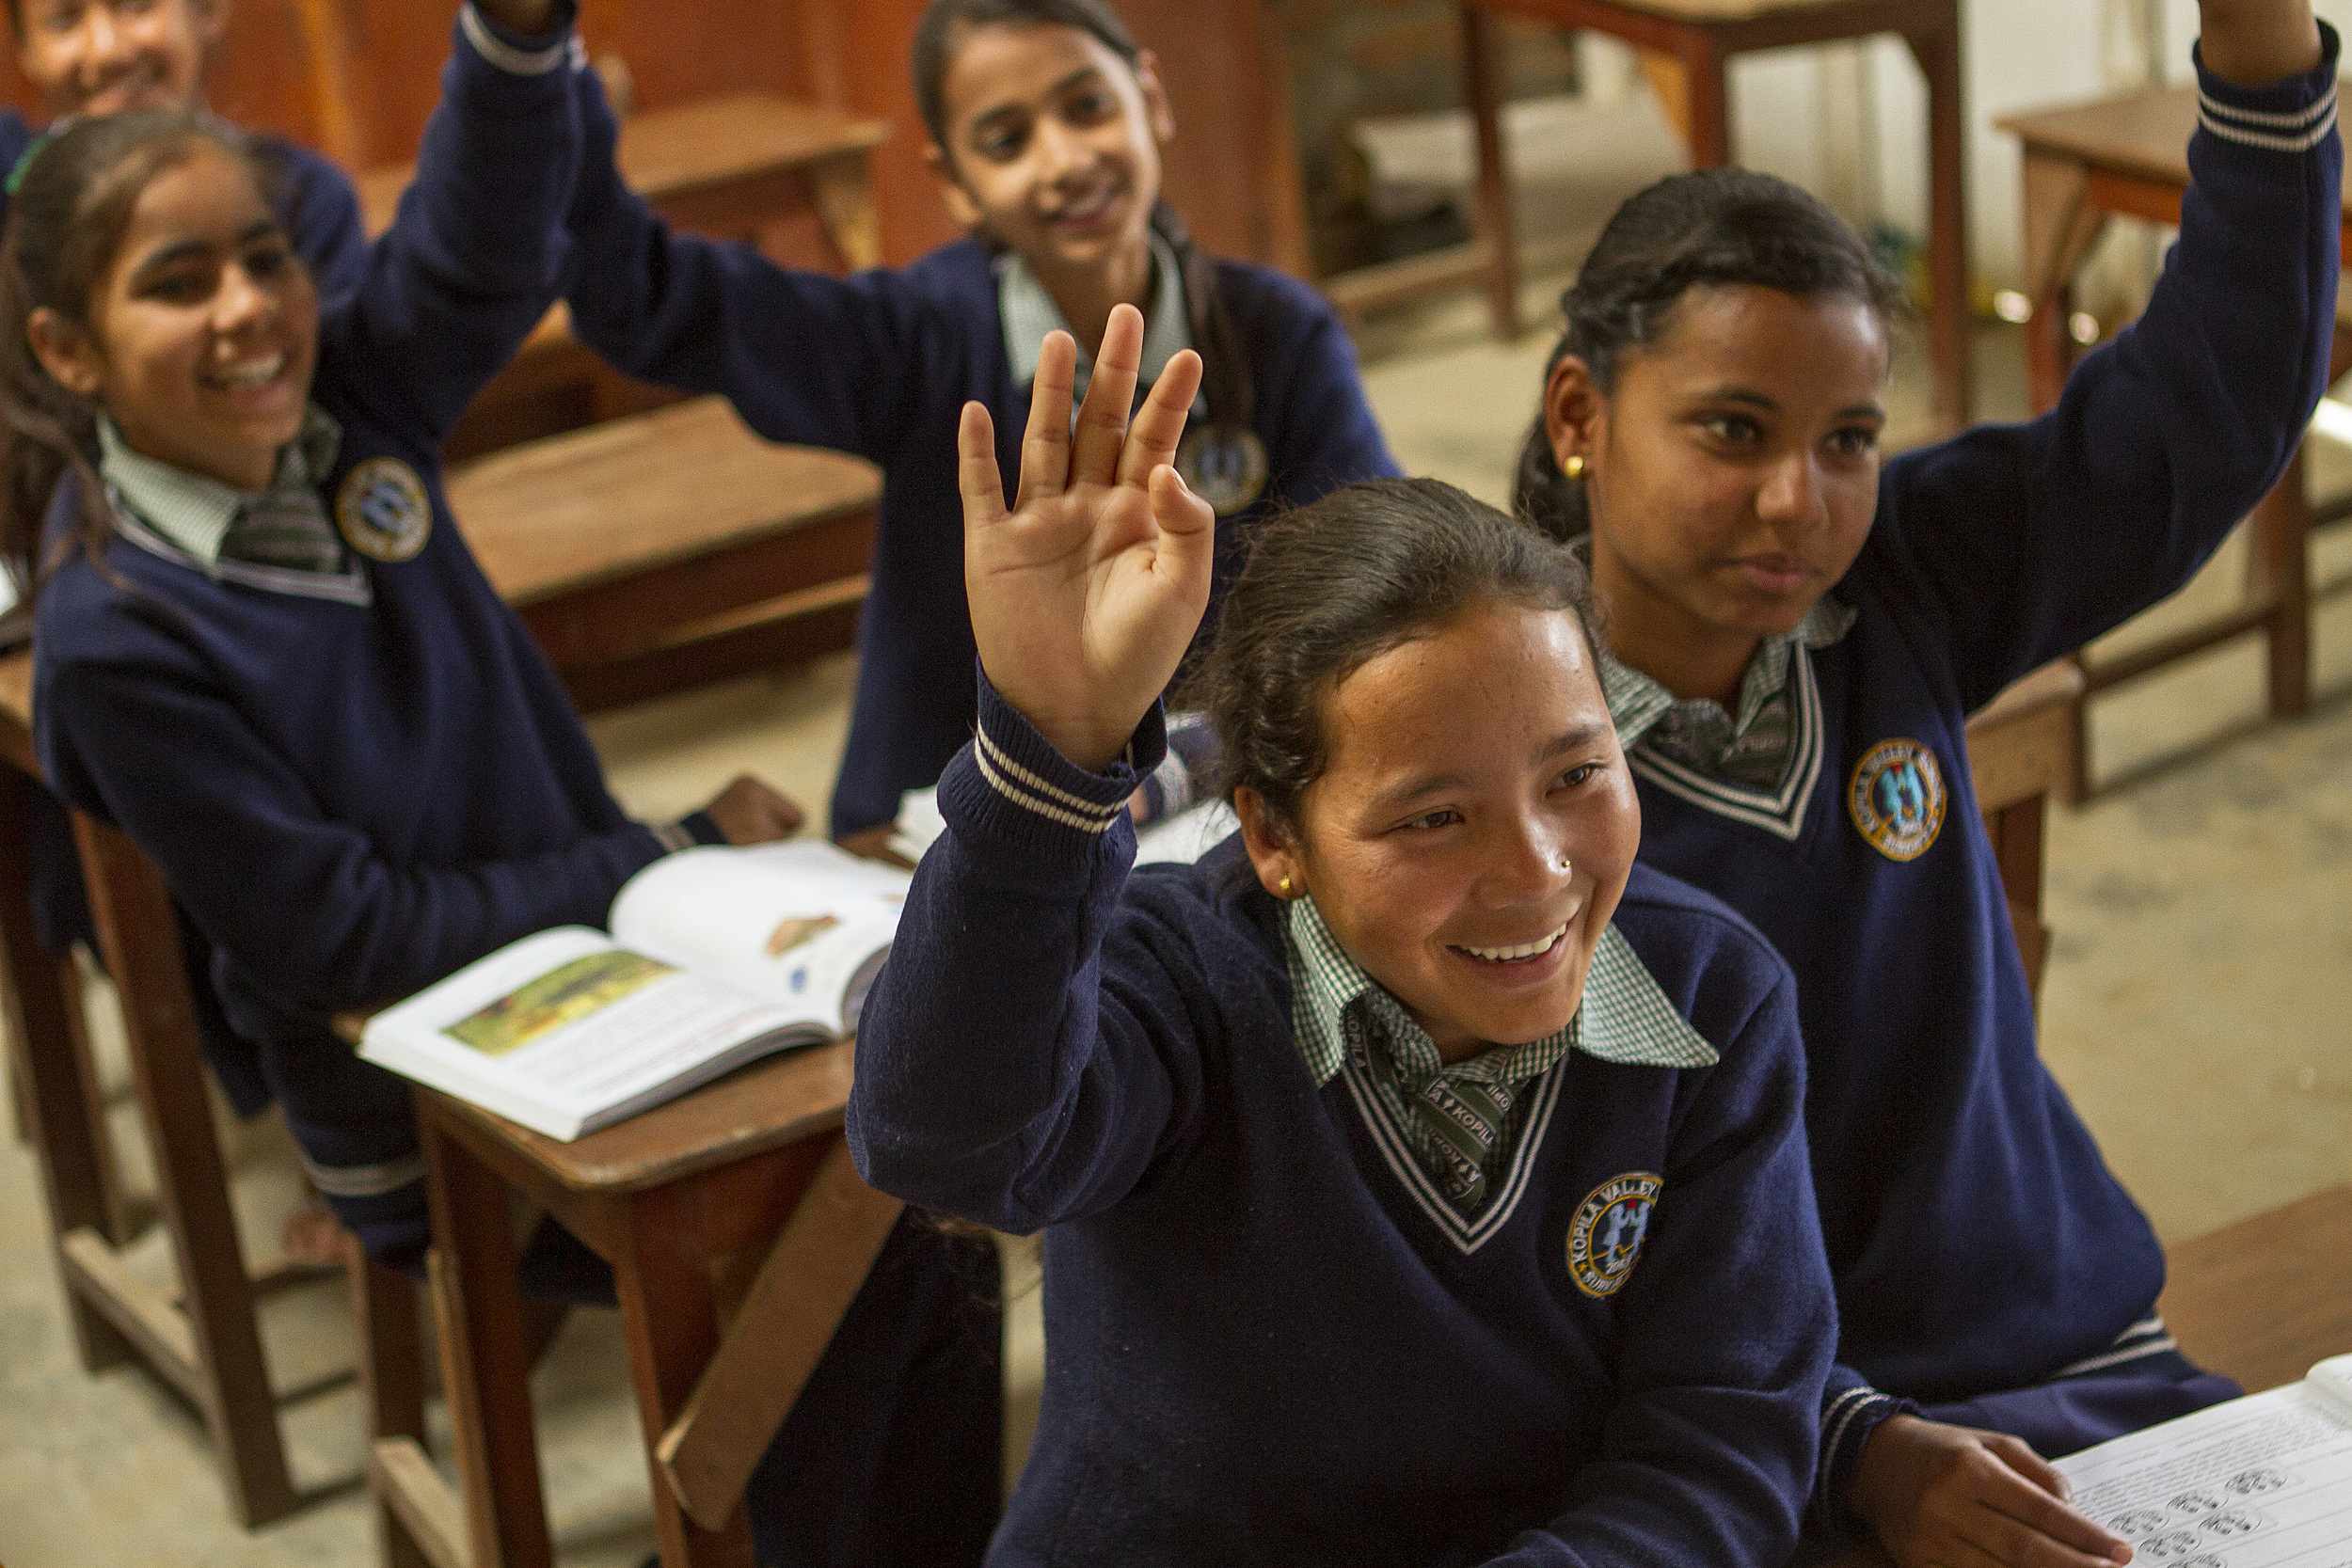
column 286, row 527
column 1461, row 1116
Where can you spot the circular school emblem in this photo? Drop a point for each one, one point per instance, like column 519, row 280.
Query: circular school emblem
column 383, row 511
column 1896, row 798
column 1225, row 468
column 1606, row 1236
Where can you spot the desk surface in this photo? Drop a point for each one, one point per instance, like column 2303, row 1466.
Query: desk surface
column 2142, row 134
column 712, row 141
column 622, row 498
column 2263, row 1299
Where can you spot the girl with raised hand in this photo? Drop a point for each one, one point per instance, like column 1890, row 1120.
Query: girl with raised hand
column 1046, row 124
column 263, row 651
column 1422, row 1181
column 1796, row 633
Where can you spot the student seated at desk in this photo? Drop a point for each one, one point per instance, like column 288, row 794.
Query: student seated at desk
column 1796, row 635
column 99, row 58
column 265, row 652
column 1423, row 1181
column 1046, row 125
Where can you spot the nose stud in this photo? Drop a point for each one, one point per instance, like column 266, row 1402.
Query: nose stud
column 1565, row 865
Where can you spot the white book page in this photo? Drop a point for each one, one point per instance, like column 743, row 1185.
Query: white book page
column 556, row 1029
column 801, row 922
column 1187, row 835
column 2259, row 1481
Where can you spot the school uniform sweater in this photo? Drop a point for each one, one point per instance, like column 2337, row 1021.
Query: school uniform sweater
column 320, row 211
column 354, row 794
column 880, row 365
column 1986, row 1258
column 1273, row 1340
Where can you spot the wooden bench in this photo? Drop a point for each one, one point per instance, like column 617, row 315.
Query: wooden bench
column 671, row 547
column 2128, row 156
column 792, row 179
column 2261, row 1301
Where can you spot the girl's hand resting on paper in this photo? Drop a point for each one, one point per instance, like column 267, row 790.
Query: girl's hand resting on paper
column 1087, row 592
column 1957, row 1497
column 749, row 811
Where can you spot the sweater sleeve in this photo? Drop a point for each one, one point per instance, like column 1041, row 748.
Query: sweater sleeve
column 322, row 219
column 1032, row 1045
column 474, row 256
column 304, row 904
column 2025, row 542
column 1727, row 1328
column 804, row 358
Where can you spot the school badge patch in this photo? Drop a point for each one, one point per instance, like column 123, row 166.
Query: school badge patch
column 1605, row 1237
column 383, row 511
column 1896, row 799
column 1225, row 468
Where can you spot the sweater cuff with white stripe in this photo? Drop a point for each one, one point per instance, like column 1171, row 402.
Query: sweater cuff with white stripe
column 2292, row 117
column 1010, row 789
column 518, row 56
column 1850, row 1411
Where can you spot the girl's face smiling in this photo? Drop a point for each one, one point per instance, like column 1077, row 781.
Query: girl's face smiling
column 205, row 326
column 103, row 56
column 1732, row 472
column 1052, row 144
column 1464, row 768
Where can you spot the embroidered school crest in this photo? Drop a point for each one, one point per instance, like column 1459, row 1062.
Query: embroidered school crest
column 1225, row 468
column 1606, row 1236
column 382, row 510
column 1896, row 798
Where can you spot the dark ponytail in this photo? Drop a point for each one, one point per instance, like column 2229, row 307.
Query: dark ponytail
column 73, row 199
column 1716, row 228
column 1225, row 370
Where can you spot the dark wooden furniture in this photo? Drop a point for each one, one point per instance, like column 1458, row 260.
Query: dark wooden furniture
column 1699, row 38
column 737, row 1232
column 2264, row 1299
column 2021, row 752
column 2129, row 156
column 671, row 547
column 792, row 179
column 205, row 1340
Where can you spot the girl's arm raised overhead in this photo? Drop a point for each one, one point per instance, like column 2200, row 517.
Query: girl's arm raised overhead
column 2028, row 540
column 804, row 358
column 473, row 258
column 1084, row 597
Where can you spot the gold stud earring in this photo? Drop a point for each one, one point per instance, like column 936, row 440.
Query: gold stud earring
column 1287, row 888
column 1566, row 864
column 1574, row 467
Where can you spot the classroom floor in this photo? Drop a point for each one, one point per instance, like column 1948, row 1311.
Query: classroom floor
column 2195, row 1006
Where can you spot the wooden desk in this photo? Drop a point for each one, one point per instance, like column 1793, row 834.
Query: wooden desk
column 2128, row 156
column 791, row 178
column 1694, row 41
column 2021, row 752
column 2263, row 1300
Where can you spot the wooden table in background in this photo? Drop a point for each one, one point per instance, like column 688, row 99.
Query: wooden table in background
column 1688, row 47
column 792, row 179
column 2264, row 1299
column 2128, row 156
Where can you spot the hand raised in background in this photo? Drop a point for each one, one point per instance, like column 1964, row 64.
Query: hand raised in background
column 1086, row 594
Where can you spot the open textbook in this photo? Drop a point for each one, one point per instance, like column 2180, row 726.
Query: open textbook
column 717, row 955
column 2259, row 1481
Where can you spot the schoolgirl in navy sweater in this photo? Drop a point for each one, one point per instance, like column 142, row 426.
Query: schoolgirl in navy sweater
column 263, row 651
column 1046, row 123
column 1798, row 636
column 100, row 59
column 1422, row 1183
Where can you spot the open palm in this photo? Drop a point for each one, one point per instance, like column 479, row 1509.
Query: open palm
column 1086, row 594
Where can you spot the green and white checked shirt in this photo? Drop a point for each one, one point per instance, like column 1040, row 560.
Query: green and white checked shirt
column 1339, row 1012
column 1029, row 313
column 202, row 517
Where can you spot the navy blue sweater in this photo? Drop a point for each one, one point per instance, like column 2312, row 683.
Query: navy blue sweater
column 353, row 800
column 1980, row 1244
column 1263, row 1350
column 879, row 365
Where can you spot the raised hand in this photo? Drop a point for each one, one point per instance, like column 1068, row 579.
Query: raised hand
column 1087, row 592
column 529, row 19
column 2256, row 42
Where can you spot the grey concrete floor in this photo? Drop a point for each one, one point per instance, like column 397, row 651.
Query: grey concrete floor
column 2198, row 1006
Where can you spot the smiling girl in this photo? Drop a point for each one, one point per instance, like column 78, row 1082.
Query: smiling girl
column 1796, row 635
column 1047, row 125
column 1422, row 1181
column 265, row 653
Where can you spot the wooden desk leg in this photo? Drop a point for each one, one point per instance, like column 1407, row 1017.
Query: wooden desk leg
column 139, row 929
column 40, row 1000
column 2016, row 833
column 670, row 1313
column 1939, row 58
column 1498, row 216
column 844, row 190
column 391, row 1373
column 486, row 1363
column 1707, row 88
column 2278, row 569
